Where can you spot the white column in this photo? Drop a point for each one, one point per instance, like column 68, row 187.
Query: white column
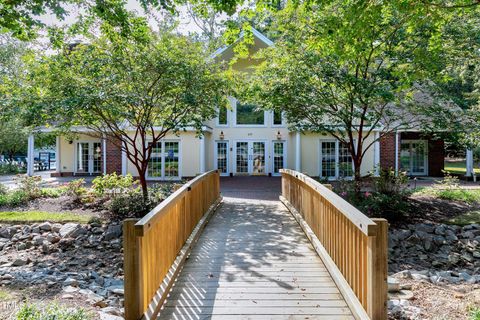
column 30, row 155
column 202, row 154
column 104, row 154
column 298, row 156
column 469, row 163
column 124, row 159
column 397, row 138
column 58, row 162
column 376, row 154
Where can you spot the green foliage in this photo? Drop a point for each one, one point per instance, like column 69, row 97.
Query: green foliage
column 390, row 183
column 467, row 218
column 448, row 182
column 465, row 195
column 3, row 189
column 387, row 200
column 336, row 72
column 449, row 189
column 161, row 84
column 14, row 198
column 30, row 186
column 52, row 192
column 76, row 189
column 475, row 313
column 113, row 184
column 131, row 204
column 40, row 216
column 51, row 311
column 11, row 168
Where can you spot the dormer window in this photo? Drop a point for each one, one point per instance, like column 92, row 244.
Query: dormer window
column 249, row 114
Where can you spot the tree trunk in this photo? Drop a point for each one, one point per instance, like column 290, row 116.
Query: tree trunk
column 357, row 162
column 143, row 184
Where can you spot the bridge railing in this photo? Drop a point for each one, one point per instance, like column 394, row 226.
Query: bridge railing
column 156, row 246
column 352, row 246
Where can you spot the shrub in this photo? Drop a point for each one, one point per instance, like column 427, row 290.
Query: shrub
column 448, row 182
column 390, row 183
column 11, row 168
column 131, row 204
column 3, row 189
column 113, row 184
column 75, row 189
column 29, row 185
column 17, row 198
column 52, row 192
column 51, row 311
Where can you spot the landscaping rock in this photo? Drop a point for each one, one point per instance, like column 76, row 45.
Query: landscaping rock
column 68, row 229
column 113, row 232
column 46, row 226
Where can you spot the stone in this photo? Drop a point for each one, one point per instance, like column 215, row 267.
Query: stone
column 113, row 232
column 53, row 238
column 20, row 262
column 70, row 282
column 393, row 284
column 112, row 311
column 38, row 240
column 70, row 289
column 67, row 296
column 46, row 226
column 402, row 295
column 21, row 246
column 106, row 316
column 68, row 229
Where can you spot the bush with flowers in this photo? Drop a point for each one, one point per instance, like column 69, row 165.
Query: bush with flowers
column 387, row 198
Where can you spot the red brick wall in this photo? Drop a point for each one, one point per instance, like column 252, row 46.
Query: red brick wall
column 387, row 151
column 114, row 157
column 436, row 151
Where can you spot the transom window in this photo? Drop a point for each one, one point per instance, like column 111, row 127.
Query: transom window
column 335, row 160
column 164, row 161
column 249, row 114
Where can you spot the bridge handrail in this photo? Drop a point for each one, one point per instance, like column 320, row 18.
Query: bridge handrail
column 353, row 246
column 153, row 245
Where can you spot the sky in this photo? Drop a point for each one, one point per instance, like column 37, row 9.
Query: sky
column 186, row 24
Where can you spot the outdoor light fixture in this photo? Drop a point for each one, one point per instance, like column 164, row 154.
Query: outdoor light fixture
column 222, row 136
column 98, row 150
column 279, row 135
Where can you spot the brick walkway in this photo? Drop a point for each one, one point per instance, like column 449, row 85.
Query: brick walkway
column 255, row 188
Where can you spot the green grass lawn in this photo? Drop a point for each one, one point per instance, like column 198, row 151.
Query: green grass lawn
column 458, row 167
column 4, row 295
column 41, row 216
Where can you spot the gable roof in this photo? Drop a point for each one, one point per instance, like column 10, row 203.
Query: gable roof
column 257, row 34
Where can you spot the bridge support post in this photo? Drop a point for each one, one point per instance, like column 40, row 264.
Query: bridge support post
column 131, row 268
column 378, row 271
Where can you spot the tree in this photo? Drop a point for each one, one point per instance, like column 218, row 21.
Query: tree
column 347, row 68
column 132, row 93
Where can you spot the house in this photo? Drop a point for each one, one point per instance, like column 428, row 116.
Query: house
column 244, row 141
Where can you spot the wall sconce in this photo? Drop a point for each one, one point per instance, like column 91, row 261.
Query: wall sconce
column 222, row 136
column 279, row 136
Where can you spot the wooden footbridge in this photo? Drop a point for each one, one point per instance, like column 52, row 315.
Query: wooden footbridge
column 310, row 255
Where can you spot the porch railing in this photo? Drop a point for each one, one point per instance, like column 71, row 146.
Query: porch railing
column 352, row 246
column 156, row 246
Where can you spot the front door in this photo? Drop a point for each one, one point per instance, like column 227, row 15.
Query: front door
column 414, row 157
column 250, row 157
column 88, row 158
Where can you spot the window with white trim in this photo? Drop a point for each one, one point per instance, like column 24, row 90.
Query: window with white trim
column 165, row 160
column 249, row 114
column 277, row 118
column 335, row 159
column 222, row 116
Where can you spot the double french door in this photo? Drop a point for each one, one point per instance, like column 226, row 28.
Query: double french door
column 88, row 157
column 250, row 157
column 414, row 157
